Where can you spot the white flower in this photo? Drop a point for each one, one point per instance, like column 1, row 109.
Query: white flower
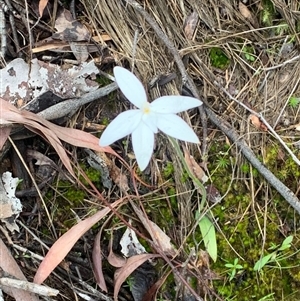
column 148, row 118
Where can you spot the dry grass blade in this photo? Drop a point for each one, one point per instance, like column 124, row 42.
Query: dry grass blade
column 65, row 243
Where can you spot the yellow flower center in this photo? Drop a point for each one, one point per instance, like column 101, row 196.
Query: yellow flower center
column 146, row 108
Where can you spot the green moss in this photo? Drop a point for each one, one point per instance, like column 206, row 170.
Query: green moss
column 267, row 13
column 218, row 58
column 168, row 170
column 241, row 227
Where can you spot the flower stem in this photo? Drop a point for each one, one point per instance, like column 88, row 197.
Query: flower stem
column 195, row 180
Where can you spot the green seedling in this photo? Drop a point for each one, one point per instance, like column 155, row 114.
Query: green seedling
column 248, row 52
column 286, row 244
column 294, row 102
column 234, row 268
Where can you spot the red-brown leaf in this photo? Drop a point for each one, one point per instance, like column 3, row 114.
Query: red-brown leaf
column 65, row 243
column 42, row 5
column 132, row 264
column 97, row 263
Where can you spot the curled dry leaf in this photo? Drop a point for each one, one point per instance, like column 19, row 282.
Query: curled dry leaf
column 52, row 132
column 97, row 263
column 195, row 167
column 4, row 133
column 257, row 123
column 115, row 260
column 132, row 264
column 159, row 238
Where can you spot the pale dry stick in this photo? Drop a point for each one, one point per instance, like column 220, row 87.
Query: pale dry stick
column 69, row 106
column 282, row 64
column 27, row 252
column 28, row 286
column 286, row 193
column 3, row 8
column 258, row 115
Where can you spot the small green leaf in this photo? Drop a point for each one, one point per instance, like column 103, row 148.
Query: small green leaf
column 208, row 232
column 263, row 261
column 286, row 244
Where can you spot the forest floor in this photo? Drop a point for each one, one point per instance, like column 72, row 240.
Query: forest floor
column 214, row 221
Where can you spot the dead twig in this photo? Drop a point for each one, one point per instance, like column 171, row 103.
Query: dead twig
column 70, row 106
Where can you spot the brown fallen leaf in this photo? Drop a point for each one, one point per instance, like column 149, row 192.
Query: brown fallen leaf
column 97, row 263
column 132, row 264
column 69, row 29
column 65, row 243
column 159, row 237
column 194, row 166
column 190, row 25
column 247, row 14
column 42, row 5
column 257, row 123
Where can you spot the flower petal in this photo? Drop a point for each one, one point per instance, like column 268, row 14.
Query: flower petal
column 123, row 125
column 151, row 120
column 176, row 127
column 143, row 144
column 174, row 104
column 130, row 86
